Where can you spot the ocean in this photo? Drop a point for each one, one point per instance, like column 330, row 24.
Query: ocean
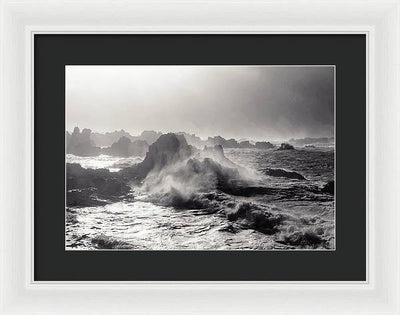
column 144, row 223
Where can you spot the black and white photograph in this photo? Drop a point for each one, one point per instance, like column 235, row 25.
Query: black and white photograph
column 200, row 157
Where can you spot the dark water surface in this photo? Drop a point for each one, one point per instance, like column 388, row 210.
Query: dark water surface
column 144, row 224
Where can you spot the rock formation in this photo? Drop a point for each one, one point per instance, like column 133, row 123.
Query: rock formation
column 286, row 146
column 167, row 149
column 108, row 138
column 124, row 147
column 329, row 187
column 80, row 144
column 246, row 145
column 218, row 140
column 307, row 239
column 176, row 174
column 149, row 136
column 278, row 172
column 232, row 143
column 90, row 187
column 308, row 140
column 264, row 145
column 193, row 140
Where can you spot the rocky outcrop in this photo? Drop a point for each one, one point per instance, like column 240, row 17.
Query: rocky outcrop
column 92, row 187
column 246, row 145
column 264, row 145
column 139, row 148
column 67, row 137
column 108, row 138
column 193, row 140
column 286, row 146
column 85, row 197
column 80, row 144
column 149, row 136
column 232, row 143
column 329, row 187
column 307, row 239
column 218, row 140
column 278, row 172
column 168, row 149
column 124, row 147
column 174, row 172
column 308, row 140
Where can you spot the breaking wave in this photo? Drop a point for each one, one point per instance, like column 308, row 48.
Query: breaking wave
column 230, row 196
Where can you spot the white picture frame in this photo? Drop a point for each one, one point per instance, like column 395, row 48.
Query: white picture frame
column 379, row 20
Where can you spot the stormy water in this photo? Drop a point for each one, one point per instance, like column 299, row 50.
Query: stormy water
column 282, row 206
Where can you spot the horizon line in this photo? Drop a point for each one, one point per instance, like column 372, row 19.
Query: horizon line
column 201, row 138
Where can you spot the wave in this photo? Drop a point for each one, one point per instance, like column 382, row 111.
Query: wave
column 179, row 177
column 112, row 163
column 106, row 242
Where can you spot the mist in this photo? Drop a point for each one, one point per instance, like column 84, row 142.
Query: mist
column 242, row 102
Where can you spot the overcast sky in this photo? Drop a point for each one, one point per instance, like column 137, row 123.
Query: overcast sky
column 255, row 103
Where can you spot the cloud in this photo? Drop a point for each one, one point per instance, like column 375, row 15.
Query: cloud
column 253, row 102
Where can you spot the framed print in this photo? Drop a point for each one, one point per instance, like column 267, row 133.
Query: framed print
column 199, row 193
column 229, row 156
column 157, row 165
